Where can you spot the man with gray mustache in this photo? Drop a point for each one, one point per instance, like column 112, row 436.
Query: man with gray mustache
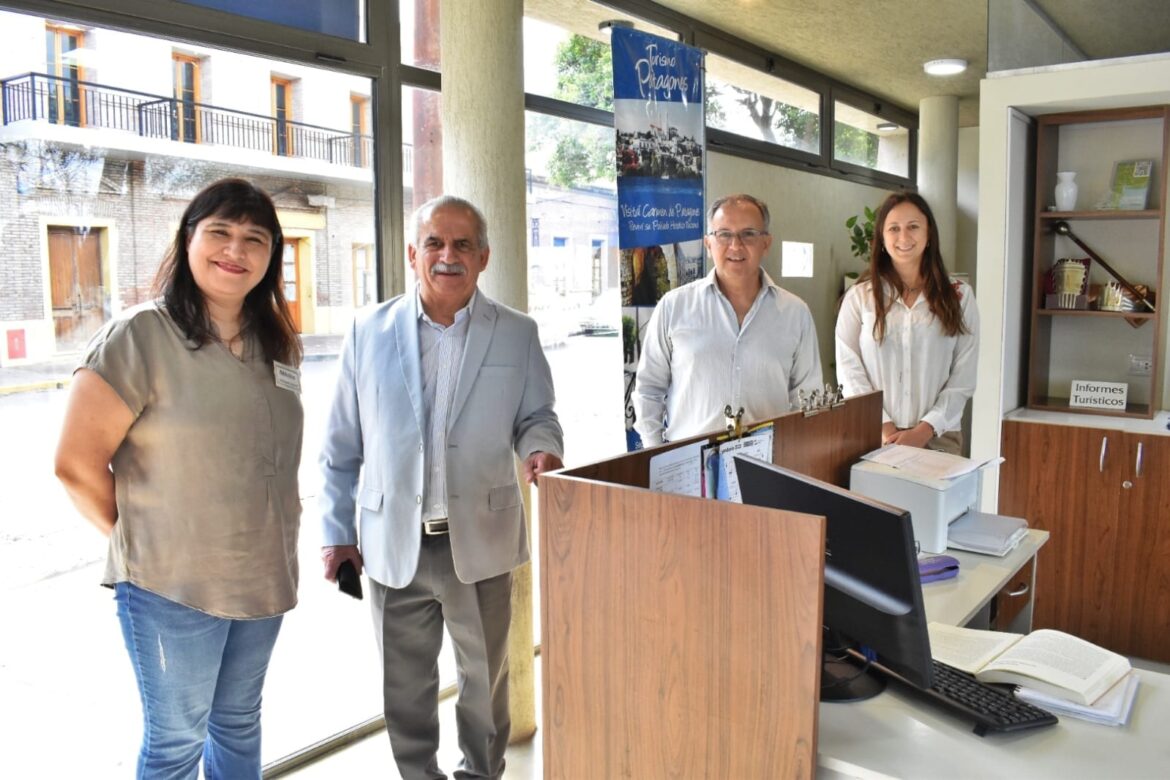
column 437, row 389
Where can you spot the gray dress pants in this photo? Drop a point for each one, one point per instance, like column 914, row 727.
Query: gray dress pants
column 408, row 624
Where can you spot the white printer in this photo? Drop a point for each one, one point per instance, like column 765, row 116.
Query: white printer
column 933, row 503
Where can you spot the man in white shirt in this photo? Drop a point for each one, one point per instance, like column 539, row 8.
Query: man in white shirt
column 732, row 339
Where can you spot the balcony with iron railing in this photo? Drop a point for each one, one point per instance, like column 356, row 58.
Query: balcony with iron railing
column 76, row 103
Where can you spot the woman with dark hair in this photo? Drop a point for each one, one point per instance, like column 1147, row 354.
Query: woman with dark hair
column 181, row 443
column 906, row 328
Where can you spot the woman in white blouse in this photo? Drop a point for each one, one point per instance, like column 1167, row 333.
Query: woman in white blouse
column 907, row 329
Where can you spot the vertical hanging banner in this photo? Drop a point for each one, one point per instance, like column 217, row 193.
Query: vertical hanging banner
column 658, row 116
column 659, row 124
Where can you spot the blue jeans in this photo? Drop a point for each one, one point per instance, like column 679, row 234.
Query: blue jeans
column 199, row 678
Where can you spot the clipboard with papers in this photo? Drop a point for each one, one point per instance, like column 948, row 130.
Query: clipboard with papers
column 708, row 469
column 706, row 466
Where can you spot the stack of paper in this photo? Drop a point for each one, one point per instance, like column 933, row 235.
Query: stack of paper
column 924, row 463
column 1112, row 709
column 983, row 532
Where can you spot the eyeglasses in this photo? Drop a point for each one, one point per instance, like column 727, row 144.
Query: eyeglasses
column 747, row 237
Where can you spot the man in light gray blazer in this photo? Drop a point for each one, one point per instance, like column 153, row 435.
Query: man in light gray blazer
column 437, row 389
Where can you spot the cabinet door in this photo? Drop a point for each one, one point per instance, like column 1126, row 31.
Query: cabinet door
column 1143, row 570
column 1062, row 479
column 1010, row 607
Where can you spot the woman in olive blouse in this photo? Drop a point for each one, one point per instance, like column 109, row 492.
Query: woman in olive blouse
column 181, row 443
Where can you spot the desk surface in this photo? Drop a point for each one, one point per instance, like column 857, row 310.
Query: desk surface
column 980, row 577
column 897, row 735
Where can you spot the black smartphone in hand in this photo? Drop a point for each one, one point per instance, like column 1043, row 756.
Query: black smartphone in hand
column 348, row 580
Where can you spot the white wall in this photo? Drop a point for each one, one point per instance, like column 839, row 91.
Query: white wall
column 128, row 61
column 24, row 44
column 1133, row 81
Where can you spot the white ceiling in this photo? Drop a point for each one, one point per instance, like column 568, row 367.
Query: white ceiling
column 879, row 45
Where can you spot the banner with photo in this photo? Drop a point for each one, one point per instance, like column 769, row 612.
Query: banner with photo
column 659, row 124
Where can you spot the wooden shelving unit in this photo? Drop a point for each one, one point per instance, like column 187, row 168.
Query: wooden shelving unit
column 1070, row 344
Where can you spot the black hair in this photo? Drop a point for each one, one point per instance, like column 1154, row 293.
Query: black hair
column 265, row 314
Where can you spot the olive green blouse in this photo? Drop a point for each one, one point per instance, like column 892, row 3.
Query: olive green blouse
column 206, row 478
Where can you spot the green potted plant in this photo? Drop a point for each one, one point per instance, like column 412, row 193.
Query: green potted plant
column 860, row 227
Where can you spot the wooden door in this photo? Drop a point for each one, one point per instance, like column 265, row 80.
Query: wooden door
column 66, row 98
column 282, row 113
column 291, row 276
column 186, row 115
column 1062, row 479
column 75, row 283
column 1142, row 575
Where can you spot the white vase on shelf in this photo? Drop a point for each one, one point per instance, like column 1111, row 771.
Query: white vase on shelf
column 1066, row 191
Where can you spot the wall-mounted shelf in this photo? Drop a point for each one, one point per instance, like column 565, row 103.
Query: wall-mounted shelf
column 1100, row 214
column 1095, row 345
column 1125, row 315
column 1062, row 405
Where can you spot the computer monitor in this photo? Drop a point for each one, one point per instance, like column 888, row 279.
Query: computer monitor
column 873, row 593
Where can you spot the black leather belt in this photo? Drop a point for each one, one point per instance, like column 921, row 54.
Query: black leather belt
column 436, row 527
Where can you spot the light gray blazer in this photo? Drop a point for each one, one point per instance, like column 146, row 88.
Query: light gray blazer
column 373, row 453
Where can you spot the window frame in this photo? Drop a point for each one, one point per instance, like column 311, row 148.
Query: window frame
column 361, row 105
column 63, row 72
column 181, row 61
column 283, row 111
column 864, row 102
column 716, row 41
column 378, row 59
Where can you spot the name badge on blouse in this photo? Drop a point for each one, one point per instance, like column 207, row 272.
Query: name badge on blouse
column 287, row 377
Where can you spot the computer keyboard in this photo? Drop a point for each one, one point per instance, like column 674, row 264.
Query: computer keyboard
column 992, row 708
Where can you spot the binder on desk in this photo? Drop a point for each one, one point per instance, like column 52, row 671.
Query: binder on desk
column 986, row 533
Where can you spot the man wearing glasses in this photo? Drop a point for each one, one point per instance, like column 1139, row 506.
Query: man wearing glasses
column 732, row 339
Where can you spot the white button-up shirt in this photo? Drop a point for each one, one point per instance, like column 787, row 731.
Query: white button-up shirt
column 697, row 359
column 924, row 374
column 440, row 348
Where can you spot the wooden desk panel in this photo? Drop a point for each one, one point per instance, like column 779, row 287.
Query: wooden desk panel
column 827, row 444
column 681, row 636
column 823, row 445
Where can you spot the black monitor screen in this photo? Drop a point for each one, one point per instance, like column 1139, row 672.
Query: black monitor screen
column 873, row 594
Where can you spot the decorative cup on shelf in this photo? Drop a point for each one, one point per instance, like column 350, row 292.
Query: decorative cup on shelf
column 1068, row 276
column 1066, row 191
column 1111, row 297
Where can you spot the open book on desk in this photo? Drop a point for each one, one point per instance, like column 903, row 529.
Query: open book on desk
column 1051, row 662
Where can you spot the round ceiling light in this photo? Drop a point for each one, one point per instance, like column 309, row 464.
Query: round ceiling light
column 947, row 67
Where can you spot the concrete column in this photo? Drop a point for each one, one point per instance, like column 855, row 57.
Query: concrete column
column 483, row 161
column 938, row 167
column 483, row 132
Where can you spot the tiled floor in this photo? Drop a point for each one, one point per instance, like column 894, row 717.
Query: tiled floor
column 371, row 756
